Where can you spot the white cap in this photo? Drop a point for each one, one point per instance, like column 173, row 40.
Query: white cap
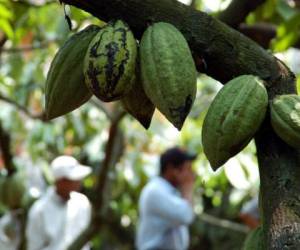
column 68, row 167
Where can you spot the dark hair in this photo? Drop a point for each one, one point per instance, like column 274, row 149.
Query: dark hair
column 174, row 157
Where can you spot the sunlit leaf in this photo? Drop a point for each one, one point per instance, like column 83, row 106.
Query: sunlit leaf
column 7, row 28
column 5, row 13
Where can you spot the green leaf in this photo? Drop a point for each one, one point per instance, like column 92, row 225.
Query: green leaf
column 285, row 10
column 287, row 34
column 6, row 27
column 5, row 13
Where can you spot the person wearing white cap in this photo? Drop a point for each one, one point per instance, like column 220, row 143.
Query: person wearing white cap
column 59, row 216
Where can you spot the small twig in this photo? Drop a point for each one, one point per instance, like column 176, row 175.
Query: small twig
column 24, row 110
column 262, row 33
column 226, row 224
column 41, row 45
column 238, row 10
column 108, row 163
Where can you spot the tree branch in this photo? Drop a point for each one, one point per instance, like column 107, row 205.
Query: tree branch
column 238, row 10
column 262, row 33
column 24, row 110
column 3, row 39
column 235, row 15
column 6, row 150
column 41, row 45
column 223, row 223
column 113, row 152
column 220, row 48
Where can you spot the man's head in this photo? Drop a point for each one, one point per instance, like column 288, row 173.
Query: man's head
column 175, row 163
column 68, row 174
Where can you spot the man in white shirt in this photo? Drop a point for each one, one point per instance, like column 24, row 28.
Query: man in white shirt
column 57, row 218
column 10, row 230
column 165, row 205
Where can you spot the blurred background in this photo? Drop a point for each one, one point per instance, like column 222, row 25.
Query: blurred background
column 31, row 31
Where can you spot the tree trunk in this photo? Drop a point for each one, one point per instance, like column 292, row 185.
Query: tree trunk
column 228, row 54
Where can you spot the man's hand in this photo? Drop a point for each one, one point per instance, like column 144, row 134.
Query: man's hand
column 186, row 181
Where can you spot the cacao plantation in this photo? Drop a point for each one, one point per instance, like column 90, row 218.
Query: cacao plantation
column 220, row 73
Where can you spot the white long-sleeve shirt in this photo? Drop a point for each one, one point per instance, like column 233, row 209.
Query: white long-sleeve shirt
column 10, row 228
column 53, row 223
column 164, row 217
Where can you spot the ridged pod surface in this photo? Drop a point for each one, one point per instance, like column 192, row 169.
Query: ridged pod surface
column 109, row 64
column 285, row 118
column 137, row 103
column 168, row 71
column 65, row 88
column 233, row 118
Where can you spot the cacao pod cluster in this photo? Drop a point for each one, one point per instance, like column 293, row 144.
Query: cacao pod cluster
column 238, row 111
column 159, row 72
column 107, row 62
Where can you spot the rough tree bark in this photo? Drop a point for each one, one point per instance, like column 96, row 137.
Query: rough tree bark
column 228, row 54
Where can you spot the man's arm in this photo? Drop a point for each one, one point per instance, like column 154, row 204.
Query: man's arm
column 177, row 210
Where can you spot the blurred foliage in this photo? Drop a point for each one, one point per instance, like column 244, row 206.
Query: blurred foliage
column 34, row 31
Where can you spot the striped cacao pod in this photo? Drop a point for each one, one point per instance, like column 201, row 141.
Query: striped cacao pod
column 233, row 118
column 109, row 64
column 168, row 71
column 285, row 118
column 65, row 87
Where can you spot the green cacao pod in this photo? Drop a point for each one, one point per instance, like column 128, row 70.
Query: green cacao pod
column 233, row 118
column 65, row 87
column 15, row 188
column 168, row 71
column 109, row 64
column 285, row 118
column 254, row 240
column 137, row 103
